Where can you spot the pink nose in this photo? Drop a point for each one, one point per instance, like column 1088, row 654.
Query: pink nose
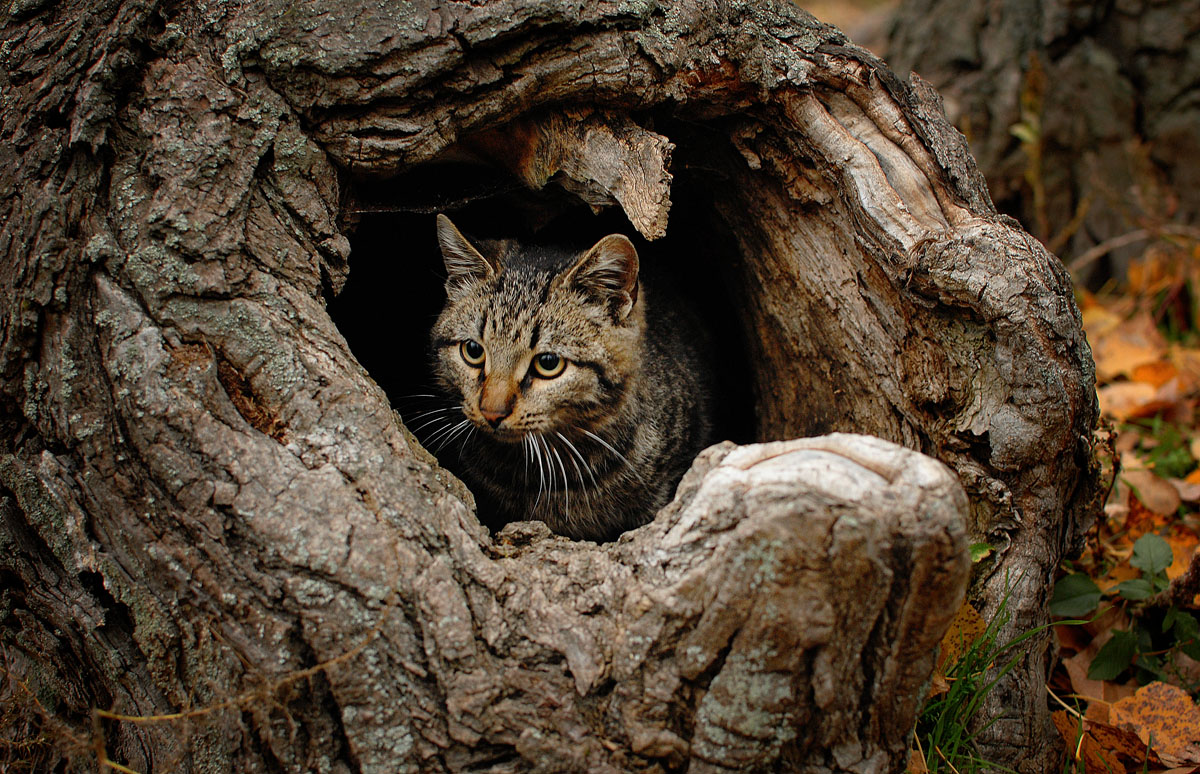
column 494, row 418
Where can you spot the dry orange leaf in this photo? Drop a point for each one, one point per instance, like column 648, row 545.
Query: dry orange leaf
column 1155, row 493
column 1165, row 718
column 1129, row 400
column 1119, row 346
column 916, row 763
column 1082, row 746
column 1187, row 362
column 1157, row 373
column 1141, row 520
column 1123, row 743
column 966, row 627
column 1122, row 572
column 938, row 685
column 1183, row 548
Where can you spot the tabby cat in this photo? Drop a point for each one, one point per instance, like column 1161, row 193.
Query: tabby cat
column 584, row 395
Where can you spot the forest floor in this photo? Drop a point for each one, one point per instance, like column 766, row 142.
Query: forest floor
column 1126, row 670
column 1126, row 674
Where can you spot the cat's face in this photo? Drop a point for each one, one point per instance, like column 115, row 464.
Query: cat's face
column 536, row 341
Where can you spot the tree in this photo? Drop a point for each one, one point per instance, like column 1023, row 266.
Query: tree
column 1068, row 111
column 209, row 504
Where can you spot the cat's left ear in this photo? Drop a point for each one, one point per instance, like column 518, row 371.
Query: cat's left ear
column 463, row 262
column 609, row 271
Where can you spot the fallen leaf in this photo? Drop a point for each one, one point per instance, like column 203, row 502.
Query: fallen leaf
column 965, row 629
column 1127, row 440
column 1141, row 520
column 1123, row 743
column 1155, row 493
column 1189, row 491
column 1120, row 346
column 938, row 685
column 1105, row 691
column 1187, row 363
column 1183, row 548
column 1098, row 711
column 1117, row 512
column 1073, row 638
column 1129, row 400
column 1165, row 718
column 1082, row 746
column 1157, row 373
column 916, row 763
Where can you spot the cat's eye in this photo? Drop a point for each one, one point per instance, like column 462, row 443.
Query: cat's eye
column 548, row 365
column 472, row 352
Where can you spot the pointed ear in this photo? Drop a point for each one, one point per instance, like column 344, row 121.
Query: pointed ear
column 463, row 262
column 609, row 273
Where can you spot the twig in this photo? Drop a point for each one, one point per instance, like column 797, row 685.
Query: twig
column 1066, row 706
column 942, row 755
column 1122, row 240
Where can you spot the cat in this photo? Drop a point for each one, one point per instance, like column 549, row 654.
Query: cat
column 584, row 394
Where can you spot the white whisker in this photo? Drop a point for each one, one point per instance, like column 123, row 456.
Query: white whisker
column 566, row 487
column 458, row 430
column 549, row 466
column 620, row 456
column 434, row 421
column 431, row 412
column 466, row 439
column 586, row 466
column 525, row 454
column 537, row 453
column 445, row 434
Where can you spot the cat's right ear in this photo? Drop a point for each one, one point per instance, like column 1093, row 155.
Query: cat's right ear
column 464, row 263
column 609, row 272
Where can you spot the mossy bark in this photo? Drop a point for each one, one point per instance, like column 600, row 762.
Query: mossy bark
column 205, row 496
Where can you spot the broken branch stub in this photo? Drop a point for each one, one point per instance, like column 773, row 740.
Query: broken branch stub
column 604, row 159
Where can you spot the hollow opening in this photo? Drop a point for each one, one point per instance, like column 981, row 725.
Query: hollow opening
column 395, row 292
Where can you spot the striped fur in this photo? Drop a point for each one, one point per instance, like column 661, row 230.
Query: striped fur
column 598, row 448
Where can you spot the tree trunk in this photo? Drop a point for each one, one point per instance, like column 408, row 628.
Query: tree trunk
column 211, row 510
column 1102, row 98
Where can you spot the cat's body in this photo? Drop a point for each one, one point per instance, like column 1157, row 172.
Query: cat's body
column 587, row 394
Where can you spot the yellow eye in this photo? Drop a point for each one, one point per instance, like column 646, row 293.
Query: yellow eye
column 548, row 365
column 472, row 352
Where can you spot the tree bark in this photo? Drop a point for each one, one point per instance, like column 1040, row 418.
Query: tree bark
column 1107, row 92
column 211, row 510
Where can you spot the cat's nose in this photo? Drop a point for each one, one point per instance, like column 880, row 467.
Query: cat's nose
column 494, row 418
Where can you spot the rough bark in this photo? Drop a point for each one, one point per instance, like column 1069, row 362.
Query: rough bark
column 1108, row 89
column 205, row 496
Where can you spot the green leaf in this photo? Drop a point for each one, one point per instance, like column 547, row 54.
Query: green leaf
column 1074, row 595
column 1115, row 657
column 1136, row 589
column 1192, row 649
column 1024, row 132
column 1151, row 554
column 1149, row 668
column 981, row 551
column 1186, row 626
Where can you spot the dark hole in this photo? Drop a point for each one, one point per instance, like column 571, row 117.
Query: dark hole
column 394, row 291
